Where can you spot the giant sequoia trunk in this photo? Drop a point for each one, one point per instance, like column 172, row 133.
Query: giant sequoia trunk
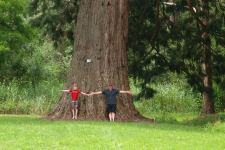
column 100, row 57
column 208, row 103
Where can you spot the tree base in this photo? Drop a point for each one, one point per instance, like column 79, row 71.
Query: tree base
column 135, row 118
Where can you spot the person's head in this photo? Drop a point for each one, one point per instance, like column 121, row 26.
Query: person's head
column 75, row 86
column 110, row 86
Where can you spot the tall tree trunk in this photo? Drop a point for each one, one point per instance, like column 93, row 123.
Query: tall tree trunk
column 208, row 103
column 100, row 37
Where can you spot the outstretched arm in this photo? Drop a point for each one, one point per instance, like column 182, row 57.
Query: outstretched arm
column 96, row 93
column 126, row 92
column 84, row 94
column 65, row 90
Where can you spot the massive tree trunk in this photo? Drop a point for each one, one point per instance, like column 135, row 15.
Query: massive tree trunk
column 208, row 103
column 100, row 57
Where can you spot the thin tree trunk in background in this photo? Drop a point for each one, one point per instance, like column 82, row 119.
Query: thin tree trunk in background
column 206, row 62
column 100, row 36
column 208, row 103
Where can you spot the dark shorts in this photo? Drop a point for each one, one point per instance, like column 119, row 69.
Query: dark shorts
column 74, row 104
column 111, row 108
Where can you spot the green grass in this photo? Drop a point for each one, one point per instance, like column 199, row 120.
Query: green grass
column 32, row 132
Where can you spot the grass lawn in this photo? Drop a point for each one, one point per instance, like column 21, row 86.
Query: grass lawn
column 31, row 132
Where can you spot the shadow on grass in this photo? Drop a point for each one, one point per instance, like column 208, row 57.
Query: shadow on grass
column 192, row 120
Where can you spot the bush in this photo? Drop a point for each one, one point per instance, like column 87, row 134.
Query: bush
column 21, row 98
column 173, row 95
column 43, row 74
column 219, row 97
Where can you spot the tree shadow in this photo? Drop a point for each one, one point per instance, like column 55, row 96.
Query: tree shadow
column 198, row 121
column 198, row 124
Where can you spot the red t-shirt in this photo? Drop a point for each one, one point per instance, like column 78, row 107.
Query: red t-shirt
column 74, row 94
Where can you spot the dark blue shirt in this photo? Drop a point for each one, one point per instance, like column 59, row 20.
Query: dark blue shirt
column 110, row 95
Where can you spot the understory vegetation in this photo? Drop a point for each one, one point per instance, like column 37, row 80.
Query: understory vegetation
column 172, row 95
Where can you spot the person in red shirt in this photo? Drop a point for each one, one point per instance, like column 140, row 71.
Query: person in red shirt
column 74, row 99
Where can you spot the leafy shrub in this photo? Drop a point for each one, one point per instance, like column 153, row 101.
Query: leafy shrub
column 219, row 98
column 21, row 98
column 173, row 95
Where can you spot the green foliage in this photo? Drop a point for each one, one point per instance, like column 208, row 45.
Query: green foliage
column 57, row 18
column 26, row 55
column 32, row 69
column 219, row 97
column 43, row 62
column 147, row 40
column 21, row 98
column 37, row 61
column 14, row 31
column 168, row 37
column 173, row 94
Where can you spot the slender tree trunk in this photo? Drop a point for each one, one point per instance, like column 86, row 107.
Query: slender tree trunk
column 208, row 103
column 206, row 64
column 100, row 57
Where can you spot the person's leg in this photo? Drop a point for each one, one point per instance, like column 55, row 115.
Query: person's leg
column 76, row 112
column 109, row 112
column 72, row 109
column 110, row 116
column 73, row 113
column 113, row 116
column 113, row 112
column 76, row 109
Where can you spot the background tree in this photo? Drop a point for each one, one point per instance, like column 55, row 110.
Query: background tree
column 179, row 44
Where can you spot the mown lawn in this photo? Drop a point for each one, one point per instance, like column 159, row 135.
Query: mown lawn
column 32, row 132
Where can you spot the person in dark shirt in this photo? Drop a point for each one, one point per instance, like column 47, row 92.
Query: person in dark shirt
column 111, row 101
